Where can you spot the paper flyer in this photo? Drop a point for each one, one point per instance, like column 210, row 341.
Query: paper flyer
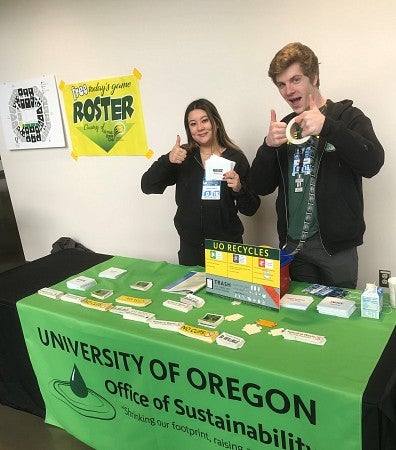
column 105, row 117
column 31, row 115
column 189, row 283
column 216, row 167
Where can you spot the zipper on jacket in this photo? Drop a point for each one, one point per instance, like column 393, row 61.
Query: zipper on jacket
column 199, row 162
column 200, row 206
column 285, row 196
column 320, row 234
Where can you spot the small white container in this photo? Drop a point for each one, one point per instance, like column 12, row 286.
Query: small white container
column 392, row 291
column 371, row 301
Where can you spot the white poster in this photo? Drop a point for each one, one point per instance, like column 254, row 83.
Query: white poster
column 30, row 114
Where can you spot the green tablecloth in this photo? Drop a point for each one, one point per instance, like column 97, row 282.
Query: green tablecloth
column 115, row 383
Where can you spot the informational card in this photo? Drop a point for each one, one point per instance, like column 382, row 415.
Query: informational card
column 248, row 273
column 216, row 167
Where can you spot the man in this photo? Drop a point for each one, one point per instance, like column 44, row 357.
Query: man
column 319, row 181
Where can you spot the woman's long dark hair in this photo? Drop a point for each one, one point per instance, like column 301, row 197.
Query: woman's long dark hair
column 215, row 119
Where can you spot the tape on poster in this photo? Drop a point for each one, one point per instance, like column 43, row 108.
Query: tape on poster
column 291, row 131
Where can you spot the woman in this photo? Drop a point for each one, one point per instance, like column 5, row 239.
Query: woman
column 205, row 209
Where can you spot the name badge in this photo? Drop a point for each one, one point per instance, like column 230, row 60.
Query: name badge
column 211, row 190
column 302, row 162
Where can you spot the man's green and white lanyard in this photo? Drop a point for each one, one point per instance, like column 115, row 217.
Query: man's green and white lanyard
column 304, row 162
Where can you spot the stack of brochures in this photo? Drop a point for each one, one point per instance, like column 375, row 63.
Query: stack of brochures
column 216, row 167
column 230, row 341
column 339, row 307
column 198, row 333
column 112, row 272
column 296, row 301
column 211, row 320
column 188, row 284
column 81, row 283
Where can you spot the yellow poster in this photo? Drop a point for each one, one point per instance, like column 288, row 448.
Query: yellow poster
column 106, row 117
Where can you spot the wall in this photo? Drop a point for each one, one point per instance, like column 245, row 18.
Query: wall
column 214, row 49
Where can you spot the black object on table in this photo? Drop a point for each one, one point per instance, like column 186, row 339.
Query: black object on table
column 18, row 383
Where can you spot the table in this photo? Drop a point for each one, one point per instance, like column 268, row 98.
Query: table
column 110, row 381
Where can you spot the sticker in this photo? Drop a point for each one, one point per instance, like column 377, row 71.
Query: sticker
column 233, row 317
column 251, row 328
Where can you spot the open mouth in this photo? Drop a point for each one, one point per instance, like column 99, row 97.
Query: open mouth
column 295, row 102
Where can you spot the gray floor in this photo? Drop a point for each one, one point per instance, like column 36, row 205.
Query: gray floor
column 23, row 431
column 20, row 430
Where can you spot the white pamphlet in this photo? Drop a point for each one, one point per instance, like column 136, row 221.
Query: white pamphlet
column 216, row 167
